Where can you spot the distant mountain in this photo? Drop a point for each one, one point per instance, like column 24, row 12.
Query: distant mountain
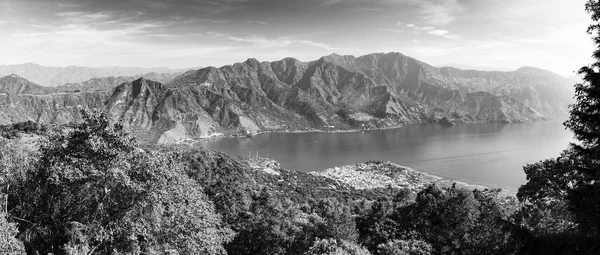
column 55, row 76
column 109, row 83
column 476, row 67
column 573, row 80
column 15, row 84
column 542, row 90
column 333, row 92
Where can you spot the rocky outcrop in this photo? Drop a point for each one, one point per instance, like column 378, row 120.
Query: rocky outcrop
column 445, row 122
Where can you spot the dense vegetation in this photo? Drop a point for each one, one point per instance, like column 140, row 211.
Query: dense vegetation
column 30, row 127
column 94, row 190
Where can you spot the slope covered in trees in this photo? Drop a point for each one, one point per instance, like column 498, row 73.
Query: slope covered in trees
column 91, row 190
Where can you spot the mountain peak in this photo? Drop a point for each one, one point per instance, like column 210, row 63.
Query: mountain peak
column 252, row 62
column 335, row 56
column 15, row 84
column 345, row 61
column 536, row 71
column 140, row 80
column 15, row 78
column 529, row 69
column 138, row 86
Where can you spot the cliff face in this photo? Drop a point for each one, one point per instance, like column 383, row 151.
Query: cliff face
column 341, row 92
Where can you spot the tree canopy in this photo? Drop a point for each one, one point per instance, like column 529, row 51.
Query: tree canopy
column 93, row 191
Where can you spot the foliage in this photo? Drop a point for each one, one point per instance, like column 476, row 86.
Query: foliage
column 13, row 158
column 450, row 220
column 562, row 196
column 336, row 247
column 545, row 209
column 93, row 190
column 403, row 247
column 179, row 219
column 9, row 244
column 584, row 121
column 269, row 227
column 29, row 127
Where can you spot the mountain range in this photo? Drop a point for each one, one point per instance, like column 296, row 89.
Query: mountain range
column 56, row 76
column 332, row 93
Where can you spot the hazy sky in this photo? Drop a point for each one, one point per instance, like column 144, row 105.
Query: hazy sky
column 501, row 34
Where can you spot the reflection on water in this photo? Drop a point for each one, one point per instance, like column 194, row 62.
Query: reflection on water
column 490, row 154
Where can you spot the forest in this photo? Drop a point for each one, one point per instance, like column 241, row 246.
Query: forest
column 90, row 188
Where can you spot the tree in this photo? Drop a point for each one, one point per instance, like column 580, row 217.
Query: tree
column 336, row 247
column 375, row 226
column 331, row 219
column 81, row 184
column 452, row 221
column 269, row 227
column 402, row 247
column 93, row 191
column 9, row 244
column 562, row 195
column 545, row 209
column 178, row 218
column 584, row 121
column 13, row 159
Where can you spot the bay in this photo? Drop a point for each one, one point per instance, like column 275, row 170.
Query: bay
column 489, row 154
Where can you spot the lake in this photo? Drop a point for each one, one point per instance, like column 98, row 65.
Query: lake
column 490, row 154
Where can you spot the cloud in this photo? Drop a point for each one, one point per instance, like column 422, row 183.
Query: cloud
column 156, row 5
column 331, row 2
column 392, row 30
column 438, row 12
column 433, row 31
column 279, row 42
column 438, row 32
column 84, row 44
column 427, row 29
column 448, row 49
column 68, row 5
column 258, row 22
column 79, row 17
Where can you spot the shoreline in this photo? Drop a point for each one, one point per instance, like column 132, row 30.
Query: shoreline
column 432, row 175
column 192, row 141
column 462, row 184
column 370, row 174
column 298, row 131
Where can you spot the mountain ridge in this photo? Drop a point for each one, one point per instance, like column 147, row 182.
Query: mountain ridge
column 55, row 76
column 333, row 92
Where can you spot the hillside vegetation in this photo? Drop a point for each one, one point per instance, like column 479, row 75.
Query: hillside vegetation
column 91, row 189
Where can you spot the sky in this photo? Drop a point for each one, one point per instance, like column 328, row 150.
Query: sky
column 479, row 34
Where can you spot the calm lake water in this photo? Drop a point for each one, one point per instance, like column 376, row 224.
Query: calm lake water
column 489, row 154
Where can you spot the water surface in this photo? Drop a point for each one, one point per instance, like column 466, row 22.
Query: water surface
column 490, row 154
